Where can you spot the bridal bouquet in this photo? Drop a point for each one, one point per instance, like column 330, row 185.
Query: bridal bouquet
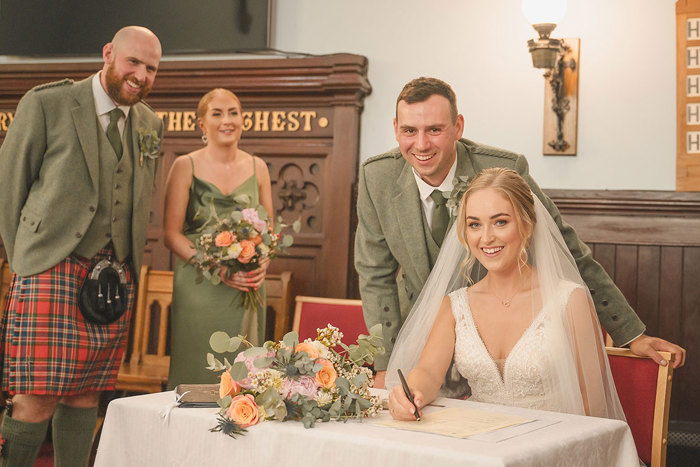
column 239, row 241
column 321, row 379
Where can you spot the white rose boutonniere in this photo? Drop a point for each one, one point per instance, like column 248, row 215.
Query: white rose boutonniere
column 149, row 145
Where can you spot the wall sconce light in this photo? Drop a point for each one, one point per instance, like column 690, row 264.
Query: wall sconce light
column 560, row 60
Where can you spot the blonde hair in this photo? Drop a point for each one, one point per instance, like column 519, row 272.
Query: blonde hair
column 207, row 98
column 512, row 187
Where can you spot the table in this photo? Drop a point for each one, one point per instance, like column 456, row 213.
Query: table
column 135, row 434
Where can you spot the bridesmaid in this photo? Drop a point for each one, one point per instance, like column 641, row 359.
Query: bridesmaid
column 218, row 172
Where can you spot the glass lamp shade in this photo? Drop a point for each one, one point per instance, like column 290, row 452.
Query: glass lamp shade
column 544, row 11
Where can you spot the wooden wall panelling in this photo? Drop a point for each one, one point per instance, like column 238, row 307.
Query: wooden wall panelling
column 648, row 284
column 690, row 333
column 626, row 272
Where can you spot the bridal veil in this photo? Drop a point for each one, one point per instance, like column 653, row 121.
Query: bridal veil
column 579, row 379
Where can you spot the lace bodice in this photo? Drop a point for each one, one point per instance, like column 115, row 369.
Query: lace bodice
column 524, row 370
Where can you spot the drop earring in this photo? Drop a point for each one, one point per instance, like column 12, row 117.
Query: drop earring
column 205, row 139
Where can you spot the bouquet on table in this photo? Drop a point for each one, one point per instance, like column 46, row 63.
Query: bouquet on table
column 239, row 241
column 289, row 380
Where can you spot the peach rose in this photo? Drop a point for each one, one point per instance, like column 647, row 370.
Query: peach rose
column 247, row 251
column 307, row 347
column 225, row 238
column 228, row 387
column 243, row 410
column 326, row 376
column 257, row 240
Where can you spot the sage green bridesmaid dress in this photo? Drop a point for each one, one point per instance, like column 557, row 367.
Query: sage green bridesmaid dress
column 198, row 310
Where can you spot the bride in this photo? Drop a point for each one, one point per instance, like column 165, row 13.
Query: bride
column 526, row 334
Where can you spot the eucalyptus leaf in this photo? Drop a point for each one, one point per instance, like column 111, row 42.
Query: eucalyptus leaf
column 210, row 361
column 291, row 339
column 262, row 213
column 266, row 239
column 233, row 344
column 255, row 352
column 263, row 362
column 335, row 407
column 287, row 241
column 359, row 380
column 296, row 226
column 239, row 371
column 236, row 216
column 342, row 383
column 219, row 342
column 225, row 401
column 363, row 404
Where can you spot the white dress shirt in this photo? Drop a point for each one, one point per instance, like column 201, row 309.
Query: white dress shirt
column 425, row 190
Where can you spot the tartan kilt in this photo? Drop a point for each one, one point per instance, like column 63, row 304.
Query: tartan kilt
column 46, row 346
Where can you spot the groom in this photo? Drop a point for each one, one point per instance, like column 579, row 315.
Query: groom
column 76, row 176
column 403, row 217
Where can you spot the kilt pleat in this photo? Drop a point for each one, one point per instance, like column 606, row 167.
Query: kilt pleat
column 46, row 346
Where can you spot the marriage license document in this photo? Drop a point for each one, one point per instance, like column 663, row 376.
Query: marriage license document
column 458, row 422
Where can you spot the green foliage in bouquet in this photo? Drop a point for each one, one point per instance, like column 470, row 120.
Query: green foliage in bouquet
column 238, row 241
column 289, row 380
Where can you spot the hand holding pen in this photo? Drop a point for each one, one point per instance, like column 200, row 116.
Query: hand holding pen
column 403, row 404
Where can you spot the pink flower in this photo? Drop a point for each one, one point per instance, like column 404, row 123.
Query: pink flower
column 250, row 215
column 225, row 238
column 252, row 369
column 259, row 225
column 304, row 385
column 243, row 410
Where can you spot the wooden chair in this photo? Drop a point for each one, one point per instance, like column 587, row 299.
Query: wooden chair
column 148, row 364
column 316, row 312
column 644, row 388
column 278, row 289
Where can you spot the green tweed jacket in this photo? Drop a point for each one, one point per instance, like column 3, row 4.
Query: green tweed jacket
column 49, row 175
column 391, row 255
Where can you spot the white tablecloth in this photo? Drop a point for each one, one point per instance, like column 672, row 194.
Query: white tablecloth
column 135, row 434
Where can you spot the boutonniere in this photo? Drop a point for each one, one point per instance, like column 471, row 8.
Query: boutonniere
column 149, row 145
column 454, row 197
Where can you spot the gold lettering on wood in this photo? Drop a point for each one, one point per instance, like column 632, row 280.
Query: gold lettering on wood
column 277, row 120
column 293, row 122
column 257, row 120
column 5, row 120
column 261, row 120
column 189, row 119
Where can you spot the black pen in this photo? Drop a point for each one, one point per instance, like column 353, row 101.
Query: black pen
column 407, row 390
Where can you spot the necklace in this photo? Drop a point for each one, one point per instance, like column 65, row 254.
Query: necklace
column 506, row 302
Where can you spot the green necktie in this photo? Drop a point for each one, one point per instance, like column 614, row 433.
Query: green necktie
column 440, row 217
column 113, row 135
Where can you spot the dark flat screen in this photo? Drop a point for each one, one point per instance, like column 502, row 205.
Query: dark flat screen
column 73, row 27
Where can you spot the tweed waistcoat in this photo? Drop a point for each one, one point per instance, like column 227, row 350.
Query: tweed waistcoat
column 112, row 221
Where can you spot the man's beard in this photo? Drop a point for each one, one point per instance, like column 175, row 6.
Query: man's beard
column 114, row 89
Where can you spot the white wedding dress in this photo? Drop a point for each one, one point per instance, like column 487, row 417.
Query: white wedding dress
column 520, row 380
